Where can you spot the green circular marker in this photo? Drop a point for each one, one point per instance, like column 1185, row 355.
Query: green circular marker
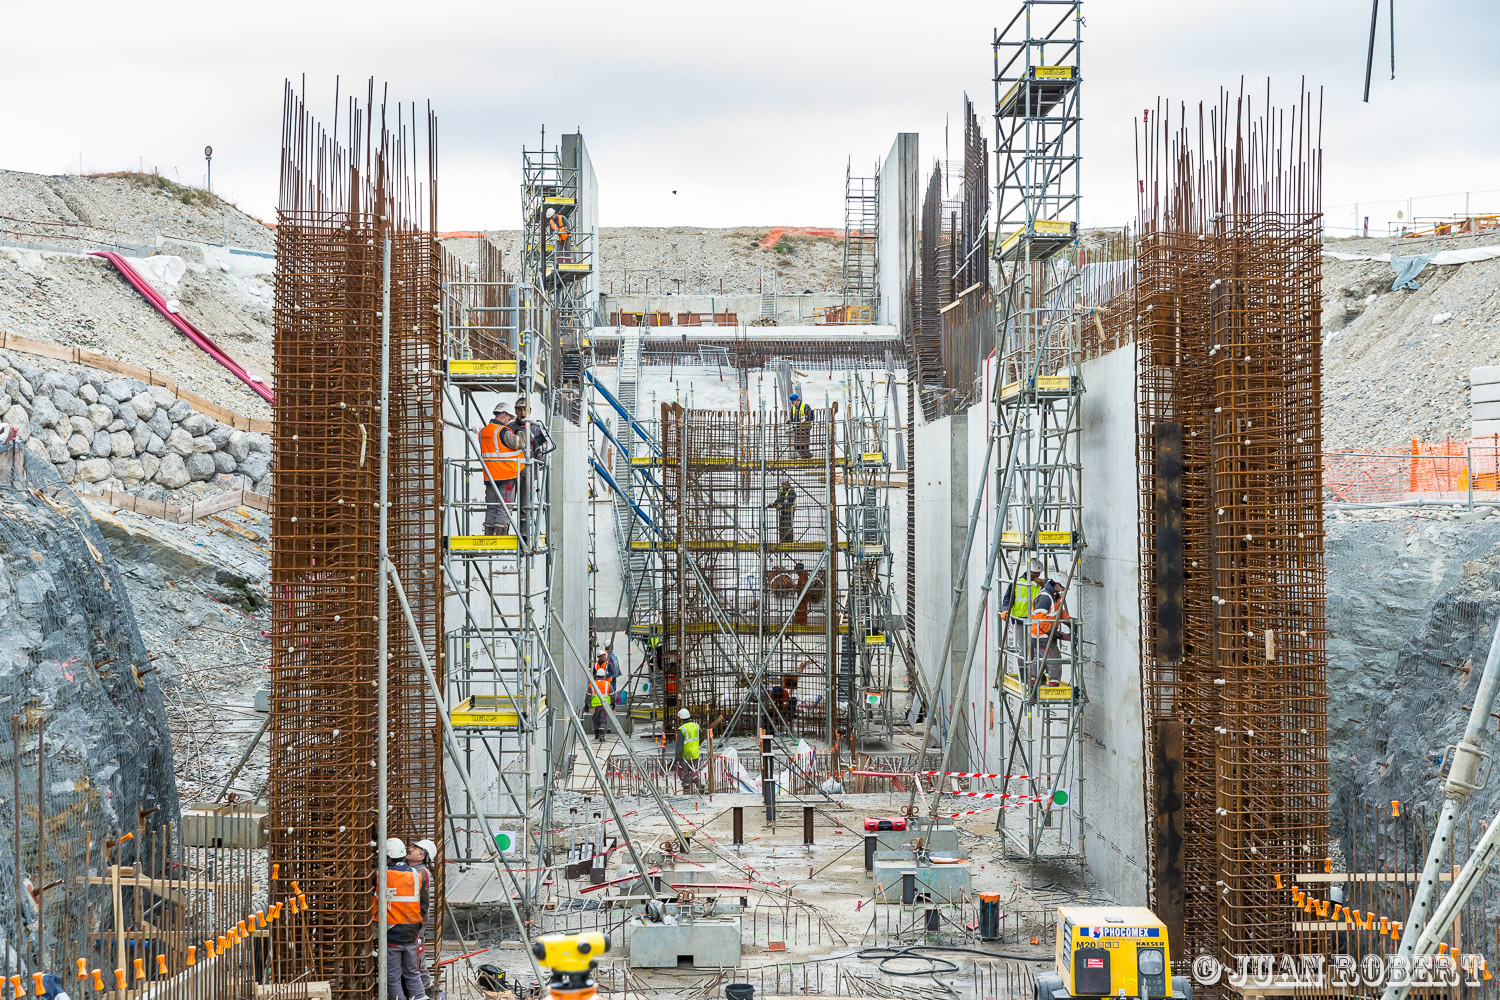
column 1060, row 797
column 504, row 841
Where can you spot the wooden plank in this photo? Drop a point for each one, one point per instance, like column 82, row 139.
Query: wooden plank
column 183, row 515
column 1307, row 877
column 212, row 505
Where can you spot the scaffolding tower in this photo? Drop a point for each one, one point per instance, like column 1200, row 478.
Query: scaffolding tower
column 1037, row 408
column 558, row 246
column 866, row 660
column 861, row 246
column 497, row 336
column 757, row 611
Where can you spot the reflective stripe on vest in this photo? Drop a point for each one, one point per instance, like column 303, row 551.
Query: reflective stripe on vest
column 689, row 731
column 500, row 462
column 1026, row 592
column 1042, row 621
column 403, row 902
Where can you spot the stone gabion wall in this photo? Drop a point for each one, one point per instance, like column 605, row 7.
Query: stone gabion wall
column 120, row 433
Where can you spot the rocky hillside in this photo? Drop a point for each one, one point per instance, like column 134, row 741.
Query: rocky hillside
column 81, row 301
column 128, row 207
column 1396, row 364
column 687, row 259
column 1413, row 597
column 72, row 657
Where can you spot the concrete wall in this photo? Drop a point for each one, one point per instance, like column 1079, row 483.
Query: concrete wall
column 570, row 546
column 943, row 496
column 899, row 205
column 1111, row 750
column 574, row 152
column 949, row 456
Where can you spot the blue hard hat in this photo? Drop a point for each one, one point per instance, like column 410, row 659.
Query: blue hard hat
column 795, row 397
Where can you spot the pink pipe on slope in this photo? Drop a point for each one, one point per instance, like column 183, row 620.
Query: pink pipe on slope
column 188, row 330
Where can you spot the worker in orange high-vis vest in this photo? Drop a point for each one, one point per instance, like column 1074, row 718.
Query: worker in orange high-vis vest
column 557, row 229
column 600, row 696
column 502, row 459
column 1047, row 609
column 406, row 898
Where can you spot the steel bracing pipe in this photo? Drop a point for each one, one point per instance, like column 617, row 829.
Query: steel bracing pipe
column 455, row 756
column 1419, row 935
column 382, row 628
column 619, row 408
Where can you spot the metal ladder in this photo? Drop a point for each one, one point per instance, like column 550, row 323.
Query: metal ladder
column 768, row 297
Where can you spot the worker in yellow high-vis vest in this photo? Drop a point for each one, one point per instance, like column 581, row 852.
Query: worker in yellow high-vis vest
column 686, row 751
column 1017, row 608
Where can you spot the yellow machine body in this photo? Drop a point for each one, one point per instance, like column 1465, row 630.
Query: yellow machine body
column 1112, row 951
column 570, row 953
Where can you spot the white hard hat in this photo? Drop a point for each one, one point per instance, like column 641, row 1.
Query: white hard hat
column 684, row 714
column 1036, row 565
column 394, row 848
column 428, row 848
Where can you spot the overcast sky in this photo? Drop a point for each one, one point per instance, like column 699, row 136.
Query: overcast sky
column 748, row 111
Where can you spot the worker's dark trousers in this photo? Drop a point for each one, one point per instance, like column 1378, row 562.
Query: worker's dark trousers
column 403, row 978
column 601, row 722
column 496, row 515
column 784, row 523
column 800, row 441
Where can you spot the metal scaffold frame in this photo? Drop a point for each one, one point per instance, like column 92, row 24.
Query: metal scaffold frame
column 732, row 627
column 1037, row 414
column 558, row 252
column 861, row 246
column 866, row 662
column 497, row 335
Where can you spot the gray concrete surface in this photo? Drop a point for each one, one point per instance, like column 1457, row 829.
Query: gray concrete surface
column 703, row 942
column 900, row 205
column 1112, row 793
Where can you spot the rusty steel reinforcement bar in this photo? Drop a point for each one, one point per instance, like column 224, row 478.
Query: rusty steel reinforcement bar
column 344, row 193
column 1228, row 345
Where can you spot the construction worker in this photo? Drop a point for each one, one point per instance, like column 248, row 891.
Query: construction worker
column 802, row 419
column 1047, row 609
column 785, row 503
column 686, row 751
column 500, row 454
column 599, row 696
column 405, row 912
column 612, row 668
column 532, row 438
column 420, row 857
column 557, row 230
column 1017, row 608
